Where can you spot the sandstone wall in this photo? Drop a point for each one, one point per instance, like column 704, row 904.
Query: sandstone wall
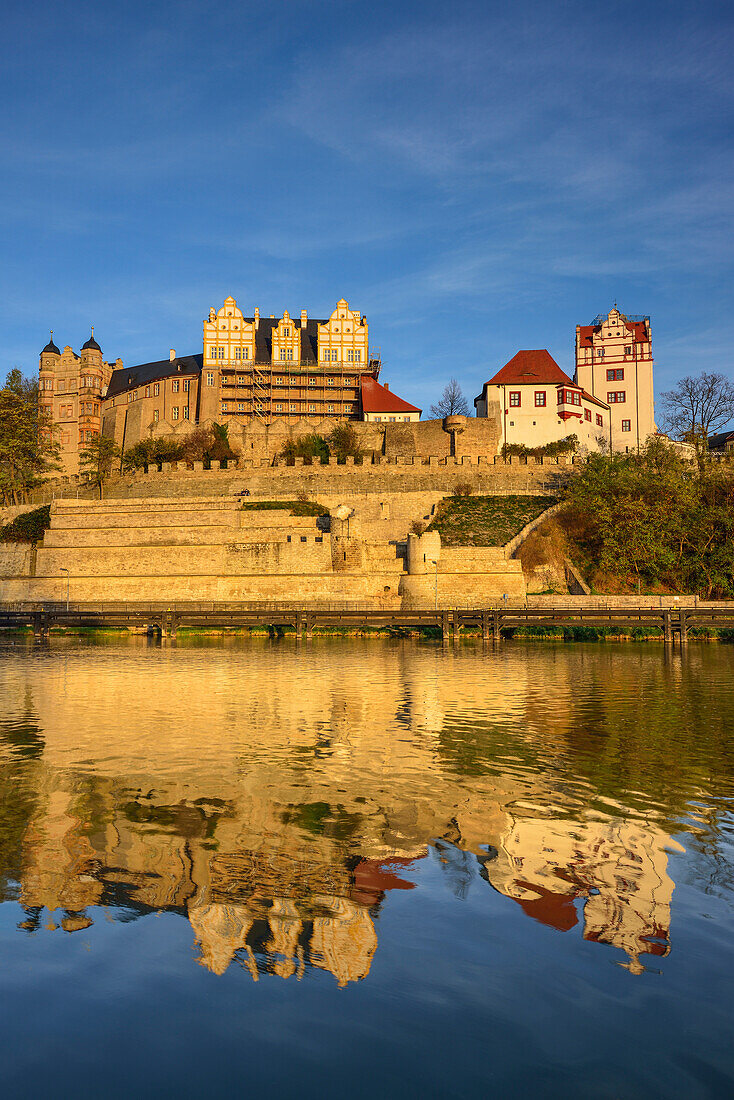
column 256, row 440
column 211, row 549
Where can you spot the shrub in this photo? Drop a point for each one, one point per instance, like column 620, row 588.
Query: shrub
column 310, row 446
column 463, row 489
column 549, row 450
column 344, row 442
column 28, row 527
column 417, row 528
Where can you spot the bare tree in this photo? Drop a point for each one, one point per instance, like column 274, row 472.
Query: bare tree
column 451, row 402
column 697, row 407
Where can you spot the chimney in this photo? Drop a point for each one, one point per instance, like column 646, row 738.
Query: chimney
column 172, row 355
column 304, row 318
column 386, row 386
column 257, row 316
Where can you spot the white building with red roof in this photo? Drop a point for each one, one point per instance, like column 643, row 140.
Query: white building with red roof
column 538, row 403
column 381, row 406
column 614, row 362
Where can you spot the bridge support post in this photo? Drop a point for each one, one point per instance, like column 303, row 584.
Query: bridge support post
column 496, row 627
column 299, row 627
column 445, row 627
column 683, row 628
column 485, row 627
column 668, row 628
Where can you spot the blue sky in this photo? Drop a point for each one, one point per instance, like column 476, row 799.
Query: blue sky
column 477, row 178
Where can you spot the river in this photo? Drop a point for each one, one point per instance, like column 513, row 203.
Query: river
column 364, row 867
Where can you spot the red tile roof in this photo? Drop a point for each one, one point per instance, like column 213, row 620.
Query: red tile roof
column 528, row 368
column 379, row 399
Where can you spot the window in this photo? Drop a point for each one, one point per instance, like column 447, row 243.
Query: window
column 330, row 408
column 240, row 406
column 587, row 415
column 599, row 421
column 575, row 398
column 329, row 381
column 210, row 378
column 155, row 416
column 616, row 397
column 615, row 375
column 156, row 389
column 238, row 353
column 347, row 408
column 220, row 353
column 628, row 349
column 245, row 353
column 312, row 381
column 312, row 408
column 174, row 412
column 540, row 398
column 282, row 354
column 600, row 353
column 224, row 406
column 186, row 385
column 289, row 355
column 354, row 355
column 279, row 408
column 294, row 408
column 147, row 391
column 406, row 419
column 130, row 397
column 286, row 332
column 186, row 412
column 515, row 399
column 174, row 385
column 240, row 379
column 626, row 425
column 212, row 353
column 278, row 381
column 330, row 355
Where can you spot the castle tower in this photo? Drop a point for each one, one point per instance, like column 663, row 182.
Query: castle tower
column 71, row 389
column 614, row 363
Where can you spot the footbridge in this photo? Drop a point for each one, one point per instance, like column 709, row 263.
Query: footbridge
column 493, row 622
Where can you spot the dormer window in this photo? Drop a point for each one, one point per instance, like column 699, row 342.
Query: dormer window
column 286, row 332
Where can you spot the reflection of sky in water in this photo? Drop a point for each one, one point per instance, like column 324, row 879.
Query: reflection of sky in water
column 368, row 813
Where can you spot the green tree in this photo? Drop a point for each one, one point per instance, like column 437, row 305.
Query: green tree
column 311, row 446
column 96, row 459
column 344, row 441
column 28, row 449
column 651, row 520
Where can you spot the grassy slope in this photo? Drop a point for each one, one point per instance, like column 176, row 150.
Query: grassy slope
column 295, row 507
column 485, row 520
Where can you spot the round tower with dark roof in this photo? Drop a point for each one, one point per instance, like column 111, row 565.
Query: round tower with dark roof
column 47, row 365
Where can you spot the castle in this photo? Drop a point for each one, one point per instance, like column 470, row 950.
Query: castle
column 294, row 374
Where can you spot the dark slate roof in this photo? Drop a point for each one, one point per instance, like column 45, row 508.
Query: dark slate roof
column 718, row 441
column 130, row 377
column 51, row 346
column 264, row 337
column 91, row 344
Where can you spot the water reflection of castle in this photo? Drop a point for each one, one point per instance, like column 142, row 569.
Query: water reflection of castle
column 280, row 834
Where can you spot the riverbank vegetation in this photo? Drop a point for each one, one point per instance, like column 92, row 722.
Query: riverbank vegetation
column 27, row 447
column 652, row 523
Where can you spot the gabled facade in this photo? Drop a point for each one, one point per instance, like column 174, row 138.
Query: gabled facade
column 540, row 404
column 614, row 363
column 267, row 369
